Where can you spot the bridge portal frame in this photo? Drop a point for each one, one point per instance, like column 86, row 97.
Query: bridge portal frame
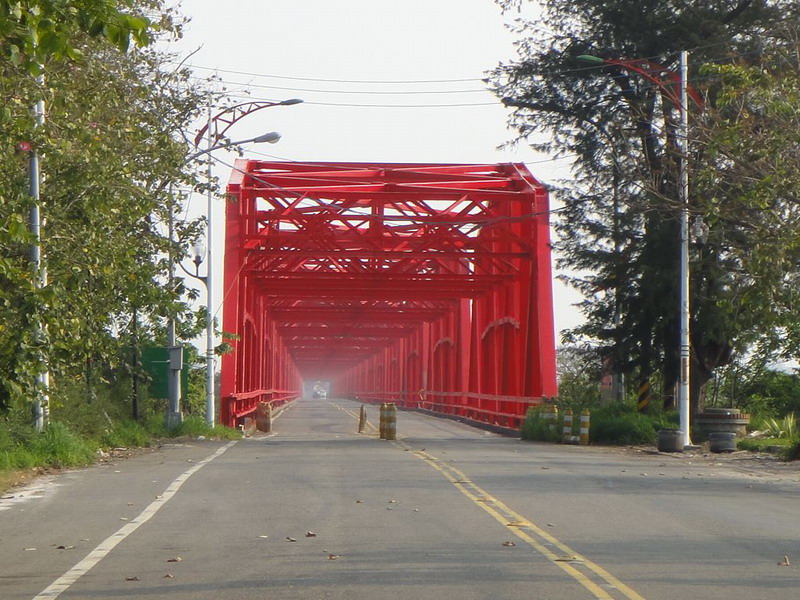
column 423, row 284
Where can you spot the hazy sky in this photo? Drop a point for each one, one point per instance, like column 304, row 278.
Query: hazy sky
column 382, row 81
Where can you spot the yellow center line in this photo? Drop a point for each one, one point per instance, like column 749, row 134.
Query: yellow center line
column 354, row 415
column 518, row 525
column 523, row 528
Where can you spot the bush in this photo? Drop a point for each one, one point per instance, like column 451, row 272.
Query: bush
column 792, row 450
column 539, row 429
column 621, row 424
column 781, row 428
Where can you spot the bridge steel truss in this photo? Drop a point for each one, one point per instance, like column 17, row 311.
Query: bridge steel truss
column 427, row 285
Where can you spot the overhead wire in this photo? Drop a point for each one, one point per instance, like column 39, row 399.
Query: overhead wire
column 244, row 86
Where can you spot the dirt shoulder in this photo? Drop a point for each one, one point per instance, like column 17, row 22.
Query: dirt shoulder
column 742, row 462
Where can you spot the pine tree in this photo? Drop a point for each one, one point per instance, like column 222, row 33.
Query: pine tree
column 619, row 228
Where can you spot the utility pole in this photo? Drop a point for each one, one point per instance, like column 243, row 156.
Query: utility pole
column 210, row 366
column 685, row 344
column 175, row 359
column 41, row 407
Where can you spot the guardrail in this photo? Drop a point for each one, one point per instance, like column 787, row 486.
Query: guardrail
column 502, row 411
column 236, row 407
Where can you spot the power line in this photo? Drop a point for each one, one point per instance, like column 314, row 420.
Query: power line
column 318, row 79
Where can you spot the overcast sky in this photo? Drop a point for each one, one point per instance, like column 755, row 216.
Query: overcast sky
column 381, row 80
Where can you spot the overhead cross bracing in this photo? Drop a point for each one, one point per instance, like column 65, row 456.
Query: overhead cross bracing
column 334, row 271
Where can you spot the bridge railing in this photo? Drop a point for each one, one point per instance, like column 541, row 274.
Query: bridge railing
column 236, row 407
column 502, row 411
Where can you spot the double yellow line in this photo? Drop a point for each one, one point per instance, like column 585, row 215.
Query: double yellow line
column 534, row 536
column 599, row 582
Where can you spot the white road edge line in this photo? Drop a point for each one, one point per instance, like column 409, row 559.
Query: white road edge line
column 62, row 584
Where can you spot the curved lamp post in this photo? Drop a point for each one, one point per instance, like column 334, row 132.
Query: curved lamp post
column 174, row 416
column 214, row 129
column 668, row 80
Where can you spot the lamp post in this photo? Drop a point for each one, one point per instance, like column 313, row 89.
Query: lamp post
column 41, row 407
column 216, row 127
column 198, row 254
column 667, row 80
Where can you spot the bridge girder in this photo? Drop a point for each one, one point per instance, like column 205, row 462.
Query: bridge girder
column 388, row 279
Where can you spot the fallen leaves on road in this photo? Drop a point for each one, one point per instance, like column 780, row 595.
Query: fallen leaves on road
column 575, row 559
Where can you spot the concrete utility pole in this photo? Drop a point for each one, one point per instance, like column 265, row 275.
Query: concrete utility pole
column 175, row 360
column 41, row 407
column 685, row 344
column 210, row 363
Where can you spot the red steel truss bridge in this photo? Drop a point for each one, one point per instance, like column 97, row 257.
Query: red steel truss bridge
column 427, row 285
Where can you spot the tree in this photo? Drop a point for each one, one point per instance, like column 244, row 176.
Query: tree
column 114, row 137
column 34, row 31
column 619, row 228
column 749, row 190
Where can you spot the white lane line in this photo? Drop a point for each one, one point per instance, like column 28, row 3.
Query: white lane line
column 62, row 584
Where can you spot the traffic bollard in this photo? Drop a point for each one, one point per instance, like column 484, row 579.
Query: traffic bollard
column 566, row 432
column 362, row 419
column 391, row 422
column 382, row 427
column 585, row 415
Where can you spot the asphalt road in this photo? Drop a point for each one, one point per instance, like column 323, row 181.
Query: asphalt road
column 316, row 511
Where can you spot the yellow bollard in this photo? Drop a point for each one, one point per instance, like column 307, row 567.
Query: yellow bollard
column 362, row 419
column 264, row 417
column 391, row 422
column 566, row 432
column 585, row 415
column 382, row 426
column 551, row 416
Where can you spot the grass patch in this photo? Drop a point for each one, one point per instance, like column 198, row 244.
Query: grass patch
column 126, row 434
column 195, row 426
column 761, row 444
column 58, row 447
column 192, row 426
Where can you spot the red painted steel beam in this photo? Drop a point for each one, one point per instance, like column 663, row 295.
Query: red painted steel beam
column 392, row 279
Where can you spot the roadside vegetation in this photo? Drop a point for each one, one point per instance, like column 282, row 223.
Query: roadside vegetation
column 770, row 397
column 591, row 81
column 113, row 145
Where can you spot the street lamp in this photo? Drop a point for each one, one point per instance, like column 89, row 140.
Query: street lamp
column 667, row 80
column 199, row 252
column 214, row 129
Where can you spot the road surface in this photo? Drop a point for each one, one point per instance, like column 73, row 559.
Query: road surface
column 317, row 511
